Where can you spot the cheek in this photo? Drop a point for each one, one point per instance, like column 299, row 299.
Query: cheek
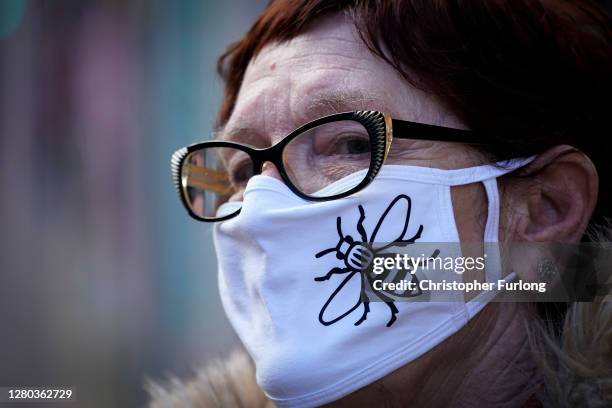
column 470, row 209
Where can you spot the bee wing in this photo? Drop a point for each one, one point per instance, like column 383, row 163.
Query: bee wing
column 347, row 309
column 393, row 222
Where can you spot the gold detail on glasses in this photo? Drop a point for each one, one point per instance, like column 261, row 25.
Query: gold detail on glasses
column 388, row 134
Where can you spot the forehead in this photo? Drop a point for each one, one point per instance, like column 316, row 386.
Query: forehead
column 325, row 70
column 329, row 51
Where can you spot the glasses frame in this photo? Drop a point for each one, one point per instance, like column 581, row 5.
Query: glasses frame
column 381, row 128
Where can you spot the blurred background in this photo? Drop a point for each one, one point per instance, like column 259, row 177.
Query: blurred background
column 105, row 279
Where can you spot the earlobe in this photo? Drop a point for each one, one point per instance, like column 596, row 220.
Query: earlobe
column 561, row 197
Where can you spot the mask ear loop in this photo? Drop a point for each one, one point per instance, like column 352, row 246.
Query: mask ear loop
column 491, row 246
column 491, row 233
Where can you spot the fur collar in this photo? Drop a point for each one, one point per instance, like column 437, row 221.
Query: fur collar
column 227, row 383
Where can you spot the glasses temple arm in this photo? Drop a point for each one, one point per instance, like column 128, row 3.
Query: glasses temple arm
column 403, row 129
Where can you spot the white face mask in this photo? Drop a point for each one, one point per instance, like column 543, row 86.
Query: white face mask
column 313, row 341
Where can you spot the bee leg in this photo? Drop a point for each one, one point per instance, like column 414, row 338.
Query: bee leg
column 366, row 310
column 394, row 311
column 330, row 273
column 360, row 228
column 326, row 251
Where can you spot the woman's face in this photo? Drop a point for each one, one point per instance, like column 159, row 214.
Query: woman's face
column 328, row 70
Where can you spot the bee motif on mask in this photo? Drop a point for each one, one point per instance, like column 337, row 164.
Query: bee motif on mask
column 358, row 256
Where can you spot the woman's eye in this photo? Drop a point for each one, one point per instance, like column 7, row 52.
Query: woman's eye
column 357, row 146
column 349, row 145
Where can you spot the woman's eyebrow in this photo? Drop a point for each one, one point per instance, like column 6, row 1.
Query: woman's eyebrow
column 328, row 103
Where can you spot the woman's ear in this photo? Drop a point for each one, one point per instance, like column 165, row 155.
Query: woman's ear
column 561, row 196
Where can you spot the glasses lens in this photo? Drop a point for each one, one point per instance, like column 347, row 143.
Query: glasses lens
column 327, row 153
column 213, row 176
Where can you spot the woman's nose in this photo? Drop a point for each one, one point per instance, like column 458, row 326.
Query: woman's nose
column 269, row 169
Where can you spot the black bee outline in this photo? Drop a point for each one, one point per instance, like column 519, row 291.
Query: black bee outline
column 358, row 257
